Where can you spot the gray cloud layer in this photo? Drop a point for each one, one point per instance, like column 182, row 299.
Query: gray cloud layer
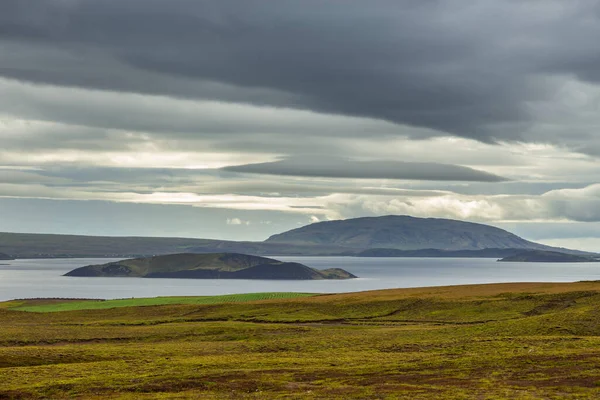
column 189, row 102
column 333, row 167
column 471, row 70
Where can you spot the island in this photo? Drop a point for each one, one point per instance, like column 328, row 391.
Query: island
column 5, row 257
column 209, row 266
column 548, row 256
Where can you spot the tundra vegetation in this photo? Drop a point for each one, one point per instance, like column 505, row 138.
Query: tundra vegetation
column 497, row 341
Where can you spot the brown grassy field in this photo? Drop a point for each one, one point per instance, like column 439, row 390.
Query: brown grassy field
column 517, row 341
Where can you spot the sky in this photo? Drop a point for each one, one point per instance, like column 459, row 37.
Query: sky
column 237, row 119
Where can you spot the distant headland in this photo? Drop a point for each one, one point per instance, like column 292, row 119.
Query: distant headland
column 385, row 236
column 548, row 256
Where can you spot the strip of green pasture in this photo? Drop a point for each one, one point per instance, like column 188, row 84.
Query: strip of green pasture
column 156, row 301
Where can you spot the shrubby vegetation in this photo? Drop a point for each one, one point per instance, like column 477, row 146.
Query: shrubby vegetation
column 518, row 341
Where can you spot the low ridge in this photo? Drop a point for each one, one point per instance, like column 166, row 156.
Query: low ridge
column 547, row 256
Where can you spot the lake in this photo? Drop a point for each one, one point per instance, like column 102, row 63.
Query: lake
column 43, row 277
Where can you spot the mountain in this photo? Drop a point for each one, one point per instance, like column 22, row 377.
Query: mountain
column 404, row 233
column 547, row 256
column 209, row 266
column 334, row 238
column 5, row 257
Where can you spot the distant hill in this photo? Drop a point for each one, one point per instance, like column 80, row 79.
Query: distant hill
column 348, row 237
column 35, row 245
column 208, row 266
column 547, row 256
column 5, row 257
column 404, row 233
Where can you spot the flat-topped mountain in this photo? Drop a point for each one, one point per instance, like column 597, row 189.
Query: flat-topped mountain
column 209, row 266
column 547, row 256
column 405, row 233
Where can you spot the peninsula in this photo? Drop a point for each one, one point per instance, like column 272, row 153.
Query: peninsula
column 548, row 256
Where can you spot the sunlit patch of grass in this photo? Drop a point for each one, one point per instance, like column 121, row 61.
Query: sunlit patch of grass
column 152, row 301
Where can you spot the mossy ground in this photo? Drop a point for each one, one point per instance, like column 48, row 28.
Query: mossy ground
column 57, row 305
column 517, row 341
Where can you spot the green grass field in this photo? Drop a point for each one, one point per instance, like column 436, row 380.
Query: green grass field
column 501, row 341
column 55, row 306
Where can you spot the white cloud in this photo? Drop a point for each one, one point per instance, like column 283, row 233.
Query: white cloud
column 584, row 243
column 557, row 205
column 237, row 221
column 560, row 205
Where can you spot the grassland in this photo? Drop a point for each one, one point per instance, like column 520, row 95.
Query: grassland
column 72, row 305
column 517, row 341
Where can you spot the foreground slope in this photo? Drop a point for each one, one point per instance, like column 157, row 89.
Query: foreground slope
column 500, row 341
column 405, row 233
column 209, row 266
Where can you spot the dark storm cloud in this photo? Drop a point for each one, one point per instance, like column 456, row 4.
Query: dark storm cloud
column 464, row 68
column 333, row 167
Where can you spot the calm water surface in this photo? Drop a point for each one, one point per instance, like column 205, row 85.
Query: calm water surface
column 43, row 278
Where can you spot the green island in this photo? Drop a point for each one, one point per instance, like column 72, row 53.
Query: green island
column 209, row 266
column 494, row 341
